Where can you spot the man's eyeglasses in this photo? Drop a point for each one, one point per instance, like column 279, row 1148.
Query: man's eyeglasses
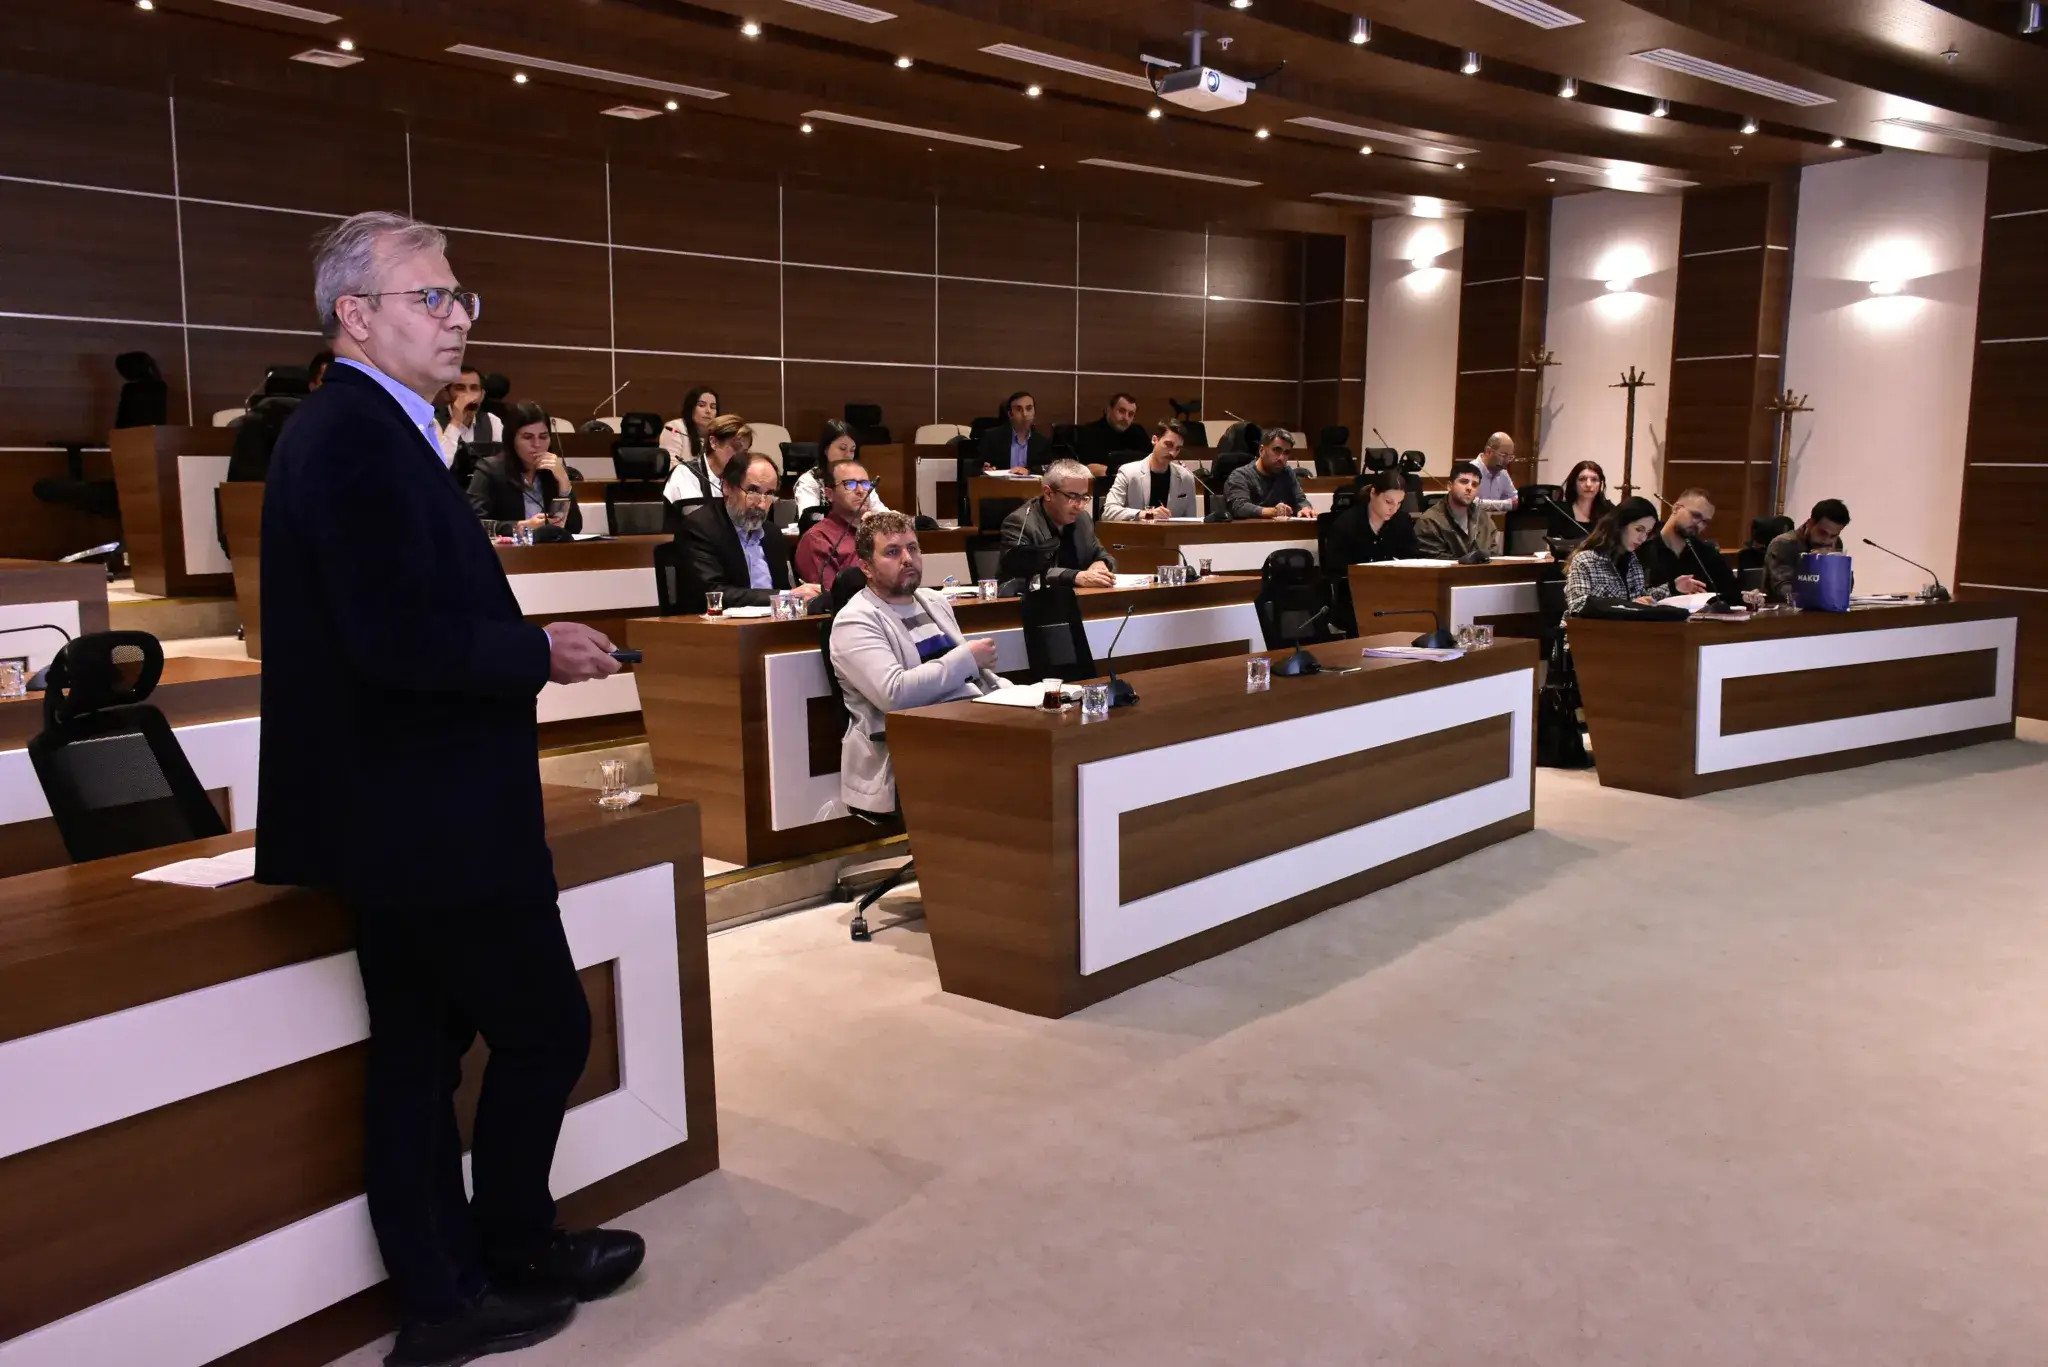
column 1081, row 497
column 439, row 300
column 857, row 486
column 765, row 495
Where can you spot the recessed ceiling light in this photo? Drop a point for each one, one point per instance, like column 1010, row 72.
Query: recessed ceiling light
column 588, row 73
column 1033, row 91
column 1055, row 62
column 847, row 9
column 1535, row 12
column 1459, row 167
column 1836, row 143
column 1688, row 65
column 519, row 78
column 750, row 29
column 1471, row 67
column 326, row 56
column 1153, row 112
column 903, row 64
column 1041, row 166
column 883, row 125
column 1964, row 135
column 634, row 112
column 1749, row 125
column 1173, row 171
column 672, row 106
column 1550, row 180
column 1240, row 4
column 804, row 128
column 1262, row 133
column 1365, row 151
column 347, row 45
column 1661, row 110
column 1361, row 31
column 145, row 4
column 1355, row 130
column 1568, row 89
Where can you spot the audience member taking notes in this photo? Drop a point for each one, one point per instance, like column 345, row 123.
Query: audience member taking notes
column 729, row 546
column 896, row 644
column 1457, row 526
column 1267, row 487
column 525, row 485
column 1376, row 527
column 1053, row 536
column 835, row 443
column 1821, row 532
column 1155, row 488
column 829, row 546
column 1680, row 548
column 1604, row 569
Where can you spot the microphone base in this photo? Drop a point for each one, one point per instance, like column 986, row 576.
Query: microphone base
column 1297, row 664
column 1121, row 694
column 1435, row 640
column 1934, row 593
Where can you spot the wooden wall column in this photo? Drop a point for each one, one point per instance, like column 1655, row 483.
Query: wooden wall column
column 2000, row 547
column 1727, row 349
column 1501, row 311
column 1338, row 271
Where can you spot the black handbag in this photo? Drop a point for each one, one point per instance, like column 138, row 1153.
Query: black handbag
column 1560, row 743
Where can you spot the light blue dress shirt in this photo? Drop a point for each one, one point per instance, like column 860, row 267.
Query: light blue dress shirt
column 419, row 410
column 1020, row 450
column 1496, row 487
column 757, row 557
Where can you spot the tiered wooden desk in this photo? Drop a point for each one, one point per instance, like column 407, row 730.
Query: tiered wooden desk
column 1501, row 594
column 741, row 718
column 181, row 1148
column 166, row 478
column 1109, row 854
column 1683, row 708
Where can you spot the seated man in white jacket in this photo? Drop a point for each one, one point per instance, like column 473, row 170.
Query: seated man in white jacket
column 1155, row 488
column 895, row 645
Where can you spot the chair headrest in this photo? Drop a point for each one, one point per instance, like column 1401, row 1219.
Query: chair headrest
column 137, row 365
column 850, row 582
column 595, row 427
column 100, row 670
column 496, row 386
column 864, row 414
column 640, row 429
column 285, row 379
column 1287, row 564
column 1763, row 530
column 1334, row 436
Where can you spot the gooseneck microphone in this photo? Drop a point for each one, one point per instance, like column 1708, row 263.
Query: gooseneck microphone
column 1934, row 592
column 1301, row 662
column 1121, row 694
column 1438, row 639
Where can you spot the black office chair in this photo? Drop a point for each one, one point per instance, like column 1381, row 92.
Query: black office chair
column 1414, row 462
column 797, row 457
column 634, row 516
column 1751, row 580
column 994, row 510
column 637, row 464
column 1102, row 485
column 1335, row 572
column 985, row 557
column 1217, row 478
column 1055, row 637
column 1291, row 591
column 1333, row 452
column 145, row 398
column 1189, row 418
column 496, row 389
column 866, row 421
column 116, row 779
column 1762, row 531
column 669, row 579
column 1376, row 458
column 966, row 469
column 849, row 583
column 1528, row 531
column 811, row 517
column 1066, row 441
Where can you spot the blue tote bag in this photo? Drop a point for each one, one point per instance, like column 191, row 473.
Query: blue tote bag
column 1825, row 582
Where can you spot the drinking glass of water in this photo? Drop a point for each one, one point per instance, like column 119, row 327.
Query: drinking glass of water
column 1095, row 703
column 612, row 790
column 1258, row 674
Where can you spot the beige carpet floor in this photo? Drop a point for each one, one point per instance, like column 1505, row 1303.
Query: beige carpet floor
column 1753, row 1079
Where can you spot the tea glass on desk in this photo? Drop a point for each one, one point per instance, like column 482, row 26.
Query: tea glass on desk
column 1204, row 566
column 522, row 535
column 1095, row 703
column 714, row 603
column 1467, row 640
column 612, row 790
column 13, row 680
column 1258, row 674
column 1164, row 574
column 785, row 607
column 1482, row 636
column 987, row 589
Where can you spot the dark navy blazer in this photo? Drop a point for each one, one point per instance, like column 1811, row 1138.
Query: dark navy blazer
column 400, row 760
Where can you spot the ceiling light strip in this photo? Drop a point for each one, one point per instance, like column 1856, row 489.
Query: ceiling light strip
column 1173, row 171
column 278, row 7
column 883, row 126
column 1354, row 130
column 1535, row 12
column 1631, row 175
column 1688, row 65
column 1073, row 67
column 1969, row 135
column 588, row 73
column 1421, row 206
column 847, row 9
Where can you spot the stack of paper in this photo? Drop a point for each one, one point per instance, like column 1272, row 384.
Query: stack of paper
column 1413, row 653
column 233, row 867
column 1017, row 695
column 1135, row 581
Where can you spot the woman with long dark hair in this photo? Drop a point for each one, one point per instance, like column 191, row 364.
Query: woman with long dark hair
column 1585, row 495
column 1376, row 526
column 526, row 484
column 1604, row 568
column 836, row 442
column 688, row 439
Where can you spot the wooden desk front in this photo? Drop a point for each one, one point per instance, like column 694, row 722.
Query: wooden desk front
column 1683, row 708
column 41, row 592
column 1502, row 594
column 214, row 709
column 203, row 1194
column 1200, row 818
column 741, row 719
column 166, row 477
column 1142, row 547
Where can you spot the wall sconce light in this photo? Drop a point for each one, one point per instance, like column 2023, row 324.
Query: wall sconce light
column 1887, row 286
column 1620, row 286
column 1423, row 260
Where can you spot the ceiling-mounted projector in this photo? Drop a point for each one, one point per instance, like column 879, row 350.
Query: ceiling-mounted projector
column 1200, row 87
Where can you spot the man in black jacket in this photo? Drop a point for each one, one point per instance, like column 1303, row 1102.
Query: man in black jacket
column 1015, row 445
column 729, row 547
column 1053, row 536
column 399, row 768
column 1679, row 548
column 1114, row 439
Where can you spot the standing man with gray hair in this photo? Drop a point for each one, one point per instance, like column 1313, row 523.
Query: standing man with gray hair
column 400, row 770
column 1053, row 536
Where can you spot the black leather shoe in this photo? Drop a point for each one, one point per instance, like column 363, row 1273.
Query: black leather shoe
column 499, row 1322
column 584, row 1263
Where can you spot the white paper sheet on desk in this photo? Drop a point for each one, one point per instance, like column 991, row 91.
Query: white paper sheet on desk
column 1413, row 653
column 1430, row 563
column 750, row 612
column 587, row 536
column 961, row 590
column 1136, row 581
column 235, row 866
column 1016, row 695
column 1691, row 602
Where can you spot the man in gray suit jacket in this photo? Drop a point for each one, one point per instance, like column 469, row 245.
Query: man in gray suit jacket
column 895, row 645
column 1155, row 488
column 1054, row 536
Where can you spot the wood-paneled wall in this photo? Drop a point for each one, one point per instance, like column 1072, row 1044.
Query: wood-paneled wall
column 2002, row 549
column 1727, row 347
column 181, row 225
column 1336, row 299
column 1502, row 307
